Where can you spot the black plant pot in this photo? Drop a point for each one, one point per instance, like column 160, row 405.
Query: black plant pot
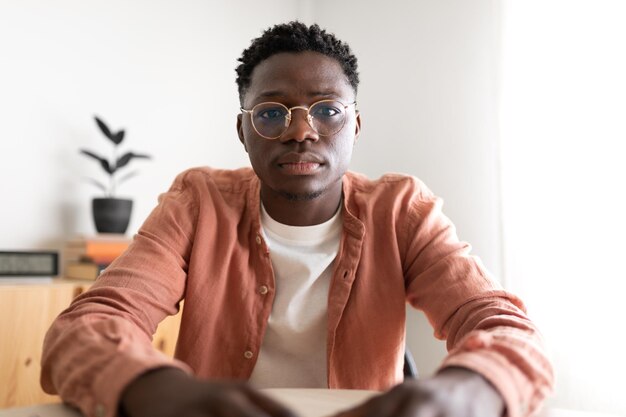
column 111, row 215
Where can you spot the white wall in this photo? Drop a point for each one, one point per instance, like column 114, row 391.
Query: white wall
column 564, row 143
column 165, row 71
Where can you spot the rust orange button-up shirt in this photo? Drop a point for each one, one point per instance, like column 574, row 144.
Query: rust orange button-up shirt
column 203, row 243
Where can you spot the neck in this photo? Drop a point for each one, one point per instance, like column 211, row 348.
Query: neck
column 302, row 211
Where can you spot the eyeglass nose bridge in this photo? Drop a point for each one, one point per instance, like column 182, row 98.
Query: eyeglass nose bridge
column 309, row 118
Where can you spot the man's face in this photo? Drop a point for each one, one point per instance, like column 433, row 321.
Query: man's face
column 300, row 164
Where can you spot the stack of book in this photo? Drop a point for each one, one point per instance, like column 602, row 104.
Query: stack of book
column 85, row 257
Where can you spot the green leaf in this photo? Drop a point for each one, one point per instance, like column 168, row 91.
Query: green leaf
column 118, row 137
column 103, row 162
column 104, row 128
column 127, row 157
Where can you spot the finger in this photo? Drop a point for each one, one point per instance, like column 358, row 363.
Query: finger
column 269, row 405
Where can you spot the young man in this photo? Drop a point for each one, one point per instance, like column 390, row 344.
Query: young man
column 295, row 273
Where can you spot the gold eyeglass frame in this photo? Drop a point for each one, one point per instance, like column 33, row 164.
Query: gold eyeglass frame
column 288, row 118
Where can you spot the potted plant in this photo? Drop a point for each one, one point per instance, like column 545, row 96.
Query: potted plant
column 111, row 214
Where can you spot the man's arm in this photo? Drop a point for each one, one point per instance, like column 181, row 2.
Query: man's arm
column 103, row 340
column 496, row 361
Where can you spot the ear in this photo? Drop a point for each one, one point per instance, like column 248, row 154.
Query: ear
column 357, row 128
column 240, row 131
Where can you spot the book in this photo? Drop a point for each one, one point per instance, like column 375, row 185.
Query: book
column 93, row 255
column 84, row 257
column 83, row 270
column 99, row 249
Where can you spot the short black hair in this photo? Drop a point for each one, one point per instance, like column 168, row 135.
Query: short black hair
column 295, row 37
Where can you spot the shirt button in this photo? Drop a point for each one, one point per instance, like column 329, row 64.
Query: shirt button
column 248, row 354
column 100, row 410
column 263, row 290
column 258, row 239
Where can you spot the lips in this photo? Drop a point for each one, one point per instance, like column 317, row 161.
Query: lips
column 300, row 168
column 299, row 163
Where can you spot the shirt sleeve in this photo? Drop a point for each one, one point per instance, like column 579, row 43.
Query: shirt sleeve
column 486, row 328
column 98, row 345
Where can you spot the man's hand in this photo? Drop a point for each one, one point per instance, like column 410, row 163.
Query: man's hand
column 454, row 392
column 169, row 392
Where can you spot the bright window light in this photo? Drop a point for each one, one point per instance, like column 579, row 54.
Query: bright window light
column 563, row 143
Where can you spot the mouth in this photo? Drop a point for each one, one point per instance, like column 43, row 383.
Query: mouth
column 300, row 168
column 300, row 164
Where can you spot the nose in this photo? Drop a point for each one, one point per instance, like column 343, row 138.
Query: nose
column 300, row 128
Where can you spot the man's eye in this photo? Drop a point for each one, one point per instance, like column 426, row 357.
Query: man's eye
column 271, row 114
column 326, row 111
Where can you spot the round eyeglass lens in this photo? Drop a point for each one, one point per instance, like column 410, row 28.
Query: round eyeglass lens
column 327, row 117
column 270, row 119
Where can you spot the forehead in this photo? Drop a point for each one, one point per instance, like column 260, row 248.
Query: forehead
column 298, row 75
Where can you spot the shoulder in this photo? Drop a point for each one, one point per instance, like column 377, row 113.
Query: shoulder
column 391, row 185
column 392, row 206
column 201, row 184
column 220, row 179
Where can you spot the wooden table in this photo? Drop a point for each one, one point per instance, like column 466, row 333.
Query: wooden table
column 305, row 402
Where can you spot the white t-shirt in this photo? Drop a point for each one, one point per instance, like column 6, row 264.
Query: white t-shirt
column 293, row 352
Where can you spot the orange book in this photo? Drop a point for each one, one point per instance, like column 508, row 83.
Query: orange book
column 105, row 248
column 99, row 249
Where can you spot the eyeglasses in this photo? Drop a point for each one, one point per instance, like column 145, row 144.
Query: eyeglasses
column 271, row 120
